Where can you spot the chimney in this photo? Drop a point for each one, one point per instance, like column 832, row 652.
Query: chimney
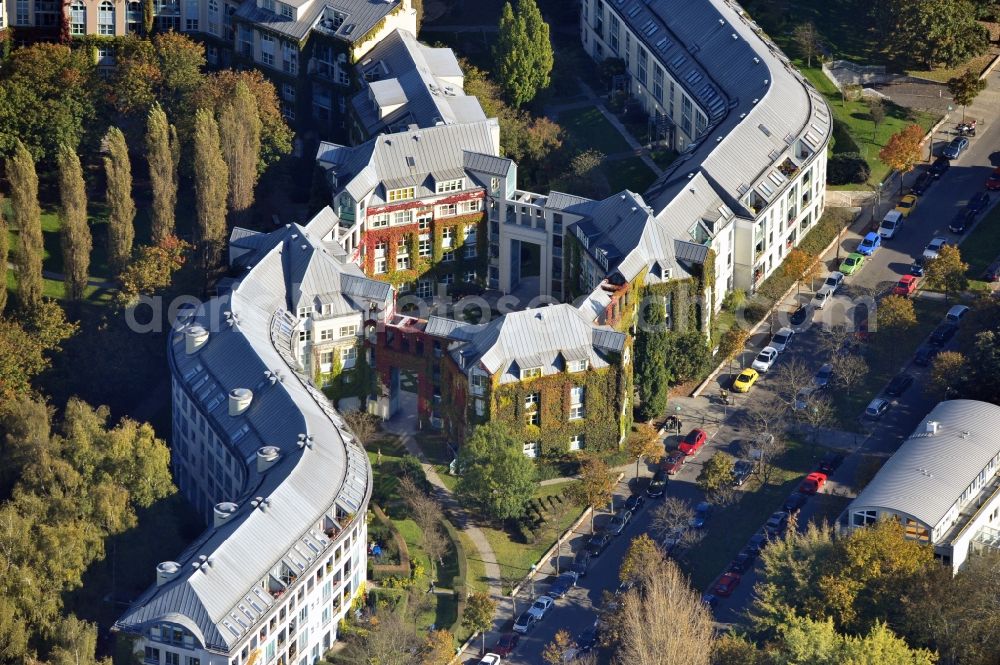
column 239, row 400
column 222, row 513
column 932, row 427
column 166, row 571
column 195, row 337
column 267, row 457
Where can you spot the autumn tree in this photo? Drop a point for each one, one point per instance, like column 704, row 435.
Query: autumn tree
column 389, row 640
column 595, row 487
column 162, row 152
column 151, row 270
column 717, row 472
column 478, row 614
column 965, row 87
column 181, row 60
column 894, row 316
column 849, row 370
column 555, row 652
column 876, row 111
column 672, row 519
column 211, row 187
column 75, row 239
column 948, row 371
column 4, row 251
column 793, row 375
column 426, row 512
column 808, row 40
column 438, row 648
column 27, row 218
column 733, row 342
column 947, row 272
column 644, row 442
column 497, row 479
column 642, row 560
column 121, row 206
column 363, row 424
column 902, row 151
column 795, row 264
column 239, row 133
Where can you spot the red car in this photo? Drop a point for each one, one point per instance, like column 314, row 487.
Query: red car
column 813, row 483
column 673, row 462
column 726, row 585
column 906, row 285
column 506, row 645
column 693, row 442
column 993, row 181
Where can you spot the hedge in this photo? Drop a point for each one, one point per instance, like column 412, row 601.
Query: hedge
column 847, row 168
column 402, row 569
column 460, row 584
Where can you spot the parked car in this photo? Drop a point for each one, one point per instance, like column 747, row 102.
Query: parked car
column 741, row 564
column 765, row 359
column 956, row 314
column 619, row 522
column 541, row 606
column 563, row 584
column 742, row 470
column 834, row 280
column 925, row 354
column 943, row 333
column 891, row 223
column 587, row 640
column 506, row 644
column 933, row 247
column 525, row 622
column 906, row 205
column 876, row 408
column 813, row 483
column 634, row 502
column 870, row 243
column 955, row 148
column 658, row 485
column 993, row 180
column 922, row 183
column 906, row 285
column 821, row 297
column 776, row 524
column 917, row 267
column 978, row 203
column 781, row 339
column 992, row 272
column 940, row 165
column 692, row 442
column 822, row 377
column 898, row 385
column 800, row 315
column 852, row 263
column 802, row 397
column 674, row 462
column 490, row 659
column 830, row 461
column 581, row 563
column 794, row 503
column 709, row 600
column 726, row 585
column 962, row 221
column 598, row 543
column 701, row 513
column 745, row 380
column 757, row 542
column 672, row 540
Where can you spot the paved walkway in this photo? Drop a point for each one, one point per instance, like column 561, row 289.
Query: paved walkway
column 640, row 151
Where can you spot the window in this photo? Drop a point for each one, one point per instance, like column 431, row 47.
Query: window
column 191, row 24
column 447, row 235
column 290, row 59
column 613, row 32
column 576, row 394
column 599, row 19
column 479, row 382
column 449, row 186
column 106, row 18
column 576, row 442
column 531, row 372
column 864, row 517
column 78, row 18
column 531, row 418
column 641, row 63
column 305, row 312
column 470, row 276
column 577, row 365
column 448, row 256
column 325, row 335
column 531, row 401
column 349, row 331
column 401, row 194
column 191, row 660
column 424, row 246
column 381, row 248
column 480, row 407
column 469, row 235
column 447, row 210
column 402, row 217
column 448, row 278
column 686, row 112
column 288, row 92
column 326, row 360
column 348, row 357
column 402, row 247
column 152, row 655
column 424, row 221
column 378, row 221
column 23, row 13
column 531, row 449
column 381, row 266
column 424, row 289
column 287, row 11
column 171, row 658
column 658, row 83
column 475, row 205
column 267, row 49
column 305, row 335
column 402, row 262
column 469, row 251
column 576, row 411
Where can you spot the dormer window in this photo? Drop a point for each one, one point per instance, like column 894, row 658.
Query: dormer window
column 401, row 194
column 577, row 365
column 305, row 312
column 531, row 372
column 268, row 5
column 287, row 10
column 444, row 186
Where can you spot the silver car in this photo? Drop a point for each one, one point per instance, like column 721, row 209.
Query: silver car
column 765, row 359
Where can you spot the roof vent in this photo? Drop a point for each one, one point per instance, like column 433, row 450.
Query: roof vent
column 690, row 175
column 267, row 457
column 305, row 441
column 222, row 512
column 932, row 426
column 722, row 21
column 756, row 60
column 194, row 338
column 539, row 316
column 295, row 236
column 755, row 101
column 742, row 115
column 718, row 139
column 305, row 247
column 166, row 571
column 766, row 81
column 735, row 36
column 239, row 400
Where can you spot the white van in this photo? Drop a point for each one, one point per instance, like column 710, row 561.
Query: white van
column 891, row 223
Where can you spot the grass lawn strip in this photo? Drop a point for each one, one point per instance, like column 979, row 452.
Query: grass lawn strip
column 980, row 247
column 588, row 128
column 630, row 173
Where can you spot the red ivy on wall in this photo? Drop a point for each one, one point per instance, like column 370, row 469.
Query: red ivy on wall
column 428, row 203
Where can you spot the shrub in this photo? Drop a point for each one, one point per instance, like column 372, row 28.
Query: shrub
column 847, row 168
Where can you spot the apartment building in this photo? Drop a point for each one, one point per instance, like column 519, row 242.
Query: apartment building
column 265, row 458
column 408, row 85
column 942, row 484
column 412, row 205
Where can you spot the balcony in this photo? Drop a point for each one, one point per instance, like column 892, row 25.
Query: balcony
column 788, row 168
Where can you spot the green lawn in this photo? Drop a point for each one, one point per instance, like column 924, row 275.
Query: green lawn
column 630, row 173
column 476, row 580
column 587, row 128
column 980, row 247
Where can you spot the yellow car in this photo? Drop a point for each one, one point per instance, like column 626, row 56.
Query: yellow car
column 906, row 205
column 745, row 380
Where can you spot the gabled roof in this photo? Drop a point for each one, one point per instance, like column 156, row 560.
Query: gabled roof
column 360, row 16
column 414, row 158
column 489, row 164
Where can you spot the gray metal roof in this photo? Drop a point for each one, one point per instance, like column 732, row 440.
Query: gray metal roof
column 412, row 158
column 927, row 475
column 488, row 164
column 424, row 84
column 360, row 17
column 216, row 594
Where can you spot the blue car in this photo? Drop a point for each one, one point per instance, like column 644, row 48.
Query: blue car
column 701, row 513
column 869, row 244
column 563, row 584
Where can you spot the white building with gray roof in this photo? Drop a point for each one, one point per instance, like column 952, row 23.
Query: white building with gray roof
column 265, row 458
column 942, row 484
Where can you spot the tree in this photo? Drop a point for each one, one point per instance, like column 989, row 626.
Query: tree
column 652, row 377
column 363, row 424
column 644, row 441
column 948, row 371
column 161, row 150
column 894, row 316
column 27, row 216
column 239, row 133
column 817, row 414
column 792, row 376
column 523, row 52
column 151, row 270
column 849, row 370
column 390, row 640
column 733, row 342
column 595, row 487
column 947, row 272
column 808, row 41
column 671, row 517
column 664, row 622
column 211, row 187
column 944, row 32
column 181, row 60
column 902, row 151
column 426, row 512
column 478, row 614
column 4, row 251
column 496, row 476
column 735, row 649
column 75, row 643
column 876, row 111
column 121, row 207
column 76, row 240
column 965, row 88
column 136, row 78
column 642, row 560
column 439, row 647
column 795, row 264
column 716, row 472
column 555, row 651
column 804, row 640
column 687, row 355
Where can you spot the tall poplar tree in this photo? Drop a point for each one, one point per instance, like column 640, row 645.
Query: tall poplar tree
column 652, row 375
column 28, row 220
column 121, row 207
column 161, row 149
column 523, row 52
column 239, row 133
column 211, row 187
column 4, row 249
column 76, row 240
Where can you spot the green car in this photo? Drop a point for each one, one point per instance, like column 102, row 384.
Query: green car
column 852, row 263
